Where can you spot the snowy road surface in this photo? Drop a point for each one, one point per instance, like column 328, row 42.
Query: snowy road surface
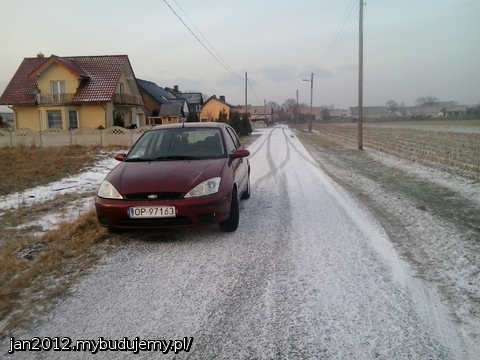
column 307, row 275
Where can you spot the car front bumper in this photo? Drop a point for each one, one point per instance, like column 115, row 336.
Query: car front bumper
column 206, row 210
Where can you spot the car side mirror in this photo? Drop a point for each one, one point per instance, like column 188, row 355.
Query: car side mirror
column 120, row 157
column 238, row 154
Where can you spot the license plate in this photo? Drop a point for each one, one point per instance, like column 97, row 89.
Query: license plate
column 152, row 212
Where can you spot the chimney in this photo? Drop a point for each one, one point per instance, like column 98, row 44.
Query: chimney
column 40, row 55
column 222, row 98
column 214, row 96
column 175, row 87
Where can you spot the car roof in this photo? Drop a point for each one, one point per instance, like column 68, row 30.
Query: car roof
column 209, row 124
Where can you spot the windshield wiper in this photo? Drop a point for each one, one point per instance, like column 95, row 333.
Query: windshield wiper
column 138, row 159
column 176, row 157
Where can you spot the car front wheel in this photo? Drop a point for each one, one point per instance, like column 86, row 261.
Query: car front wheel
column 246, row 193
column 231, row 224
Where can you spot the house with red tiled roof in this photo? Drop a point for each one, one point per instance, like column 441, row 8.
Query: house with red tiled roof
column 75, row 91
column 257, row 113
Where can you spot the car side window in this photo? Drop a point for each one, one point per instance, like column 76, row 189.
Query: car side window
column 230, row 143
column 233, row 136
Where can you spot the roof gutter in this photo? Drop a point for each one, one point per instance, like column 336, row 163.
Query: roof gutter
column 105, row 113
column 14, row 117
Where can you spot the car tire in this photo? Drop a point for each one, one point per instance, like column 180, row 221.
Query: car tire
column 231, row 224
column 246, row 193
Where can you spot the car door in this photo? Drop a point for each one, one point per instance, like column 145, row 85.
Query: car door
column 240, row 166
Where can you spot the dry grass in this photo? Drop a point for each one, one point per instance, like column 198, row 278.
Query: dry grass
column 34, row 270
column 25, row 167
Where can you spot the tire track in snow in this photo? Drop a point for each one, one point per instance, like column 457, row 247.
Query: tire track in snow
column 274, row 169
column 252, row 302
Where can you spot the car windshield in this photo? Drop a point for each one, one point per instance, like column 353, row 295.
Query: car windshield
column 178, row 144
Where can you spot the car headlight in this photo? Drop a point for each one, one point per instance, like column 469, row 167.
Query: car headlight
column 207, row 187
column 108, row 191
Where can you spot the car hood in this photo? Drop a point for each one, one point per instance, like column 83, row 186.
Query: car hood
column 163, row 176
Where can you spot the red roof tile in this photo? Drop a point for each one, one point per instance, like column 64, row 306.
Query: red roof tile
column 100, row 73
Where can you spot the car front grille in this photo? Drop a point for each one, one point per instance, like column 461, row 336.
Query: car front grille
column 153, row 196
column 154, row 222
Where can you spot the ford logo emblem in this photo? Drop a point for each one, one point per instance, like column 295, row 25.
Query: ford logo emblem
column 152, row 196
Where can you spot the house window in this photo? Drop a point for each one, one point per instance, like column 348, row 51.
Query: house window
column 73, row 119
column 120, row 93
column 58, row 90
column 54, row 119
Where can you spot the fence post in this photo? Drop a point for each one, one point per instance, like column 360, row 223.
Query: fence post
column 41, row 142
column 70, row 131
column 11, row 140
column 101, row 138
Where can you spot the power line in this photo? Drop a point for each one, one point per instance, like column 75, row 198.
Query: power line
column 249, row 83
column 341, row 33
column 200, row 41
column 203, row 36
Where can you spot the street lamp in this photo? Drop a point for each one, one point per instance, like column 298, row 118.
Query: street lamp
column 311, row 101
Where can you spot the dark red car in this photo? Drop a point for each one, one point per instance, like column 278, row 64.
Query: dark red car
column 177, row 175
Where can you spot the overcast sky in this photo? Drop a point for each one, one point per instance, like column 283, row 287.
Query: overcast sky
column 412, row 48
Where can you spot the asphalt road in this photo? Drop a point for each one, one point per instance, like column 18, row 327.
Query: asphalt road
column 308, row 275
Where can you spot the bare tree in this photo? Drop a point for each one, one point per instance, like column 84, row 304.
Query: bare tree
column 426, row 100
column 392, row 105
column 274, row 105
column 291, row 108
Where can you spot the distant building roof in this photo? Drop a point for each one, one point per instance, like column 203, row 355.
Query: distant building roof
column 222, row 100
column 252, row 109
column 315, row 110
column 193, row 98
column 370, row 110
column 424, row 110
column 170, row 110
column 155, row 91
column 339, row 112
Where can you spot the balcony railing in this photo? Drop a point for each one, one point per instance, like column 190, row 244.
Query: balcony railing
column 127, row 99
column 54, row 99
column 67, row 99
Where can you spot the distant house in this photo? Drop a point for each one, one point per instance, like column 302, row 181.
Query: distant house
column 454, row 111
column 194, row 100
column 425, row 111
column 72, row 92
column 256, row 113
column 371, row 112
column 339, row 114
column 154, row 97
column 213, row 107
column 316, row 111
column 168, row 114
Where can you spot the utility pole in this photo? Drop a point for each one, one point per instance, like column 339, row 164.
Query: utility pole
column 360, row 79
column 265, row 111
column 246, row 102
column 311, row 102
